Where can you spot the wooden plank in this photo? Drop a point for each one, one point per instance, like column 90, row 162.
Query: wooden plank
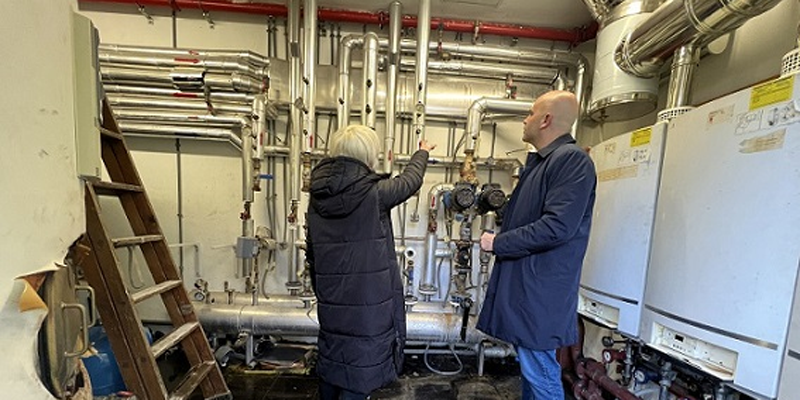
column 121, row 317
column 115, row 188
column 173, row 338
column 195, row 376
column 135, row 240
column 151, row 291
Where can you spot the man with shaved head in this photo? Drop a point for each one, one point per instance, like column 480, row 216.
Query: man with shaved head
column 532, row 298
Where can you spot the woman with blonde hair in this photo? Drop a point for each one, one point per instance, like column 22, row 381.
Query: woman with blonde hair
column 351, row 251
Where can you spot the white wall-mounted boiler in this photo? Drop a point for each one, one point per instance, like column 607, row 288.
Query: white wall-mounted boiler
column 726, row 244
column 614, row 271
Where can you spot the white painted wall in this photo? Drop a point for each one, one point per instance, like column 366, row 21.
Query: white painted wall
column 41, row 197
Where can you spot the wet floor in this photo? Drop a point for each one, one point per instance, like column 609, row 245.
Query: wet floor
column 500, row 381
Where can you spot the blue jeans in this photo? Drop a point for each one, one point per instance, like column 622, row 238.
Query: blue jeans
column 541, row 375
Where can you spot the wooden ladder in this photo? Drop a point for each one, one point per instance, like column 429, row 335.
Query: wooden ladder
column 116, row 305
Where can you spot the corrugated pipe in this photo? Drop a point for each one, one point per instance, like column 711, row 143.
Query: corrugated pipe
column 485, row 105
column 577, row 35
column 392, row 71
column 680, row 22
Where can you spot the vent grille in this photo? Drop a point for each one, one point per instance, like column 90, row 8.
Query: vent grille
column 791, row 63
column 670, row 113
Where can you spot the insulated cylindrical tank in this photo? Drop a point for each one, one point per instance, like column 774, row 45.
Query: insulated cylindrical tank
column 618, row 95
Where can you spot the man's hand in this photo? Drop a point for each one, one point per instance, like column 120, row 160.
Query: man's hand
column 487, row 241
column 424, row 145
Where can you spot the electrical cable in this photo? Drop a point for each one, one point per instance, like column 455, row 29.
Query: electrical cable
column 439, row 372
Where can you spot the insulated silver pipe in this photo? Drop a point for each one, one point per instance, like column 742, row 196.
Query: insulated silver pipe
column 244, row 98
column 684, row 63
column 392, row 71
column 679, row 22
column 580, row 95
column 279, row 320
column 421, row 92
column 369, row 86
column 173, row 104
column 543, row 58
column 540, row 75
column 174, row 117
column 247, row 56
column 184, row 131
column 259, row 117
column 296, row 142
column 346, row 47
column 486, row 105
column 310, row 73
column 156, row 61
column 426, row 284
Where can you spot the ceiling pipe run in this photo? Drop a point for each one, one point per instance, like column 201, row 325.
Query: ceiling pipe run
column 679, row 22
column 577, row 35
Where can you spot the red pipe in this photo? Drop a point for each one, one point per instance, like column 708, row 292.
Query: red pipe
column 577, row 35
column 597, row 373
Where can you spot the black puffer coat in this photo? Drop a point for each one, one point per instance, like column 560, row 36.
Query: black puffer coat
column 354, row 270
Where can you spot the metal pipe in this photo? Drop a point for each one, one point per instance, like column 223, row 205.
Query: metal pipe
column 108, row 57
column 182, row 78
column 369, row 87
column 166, row 131
column 174, row 117
column 540, row 75
column 150, row 91
column 544, row 58
column 310, row 73
column 684, row 63
column 343, row 104
column 679, row 22
column 426, row 284
column 421, row 92
column 485, row 105
column 295, row 116
column 246, row 56
column 392, row 71
column 123, row 101
column 279, row 320
column 361, row 17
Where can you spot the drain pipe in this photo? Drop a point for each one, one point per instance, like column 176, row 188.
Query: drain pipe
column 393, row 61
column 678, row 22
column 295, row 116
column 346, row 46
column 369, row 86
column 421, row 93
column 684, row 63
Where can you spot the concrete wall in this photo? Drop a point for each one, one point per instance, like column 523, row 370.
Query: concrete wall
column 41, row 197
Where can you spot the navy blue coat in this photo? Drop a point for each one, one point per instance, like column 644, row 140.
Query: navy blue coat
column 350, row 249
column 532, row 297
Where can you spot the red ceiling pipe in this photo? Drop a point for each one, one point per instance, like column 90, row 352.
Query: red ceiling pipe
column 381, row 18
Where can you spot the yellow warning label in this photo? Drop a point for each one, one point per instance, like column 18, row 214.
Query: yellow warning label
column 771, row 92
column 641, row 137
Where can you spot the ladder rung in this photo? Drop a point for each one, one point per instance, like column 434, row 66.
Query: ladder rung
column 110, row 134
column 173, row 338
column 162, row 287
column 192, row 379
column 136, row 240
column 115, row 188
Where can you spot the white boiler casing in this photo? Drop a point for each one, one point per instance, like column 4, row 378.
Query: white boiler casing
column 726, row 243
column 614, row 271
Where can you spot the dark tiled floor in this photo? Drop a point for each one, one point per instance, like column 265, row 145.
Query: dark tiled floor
column 500, row 381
